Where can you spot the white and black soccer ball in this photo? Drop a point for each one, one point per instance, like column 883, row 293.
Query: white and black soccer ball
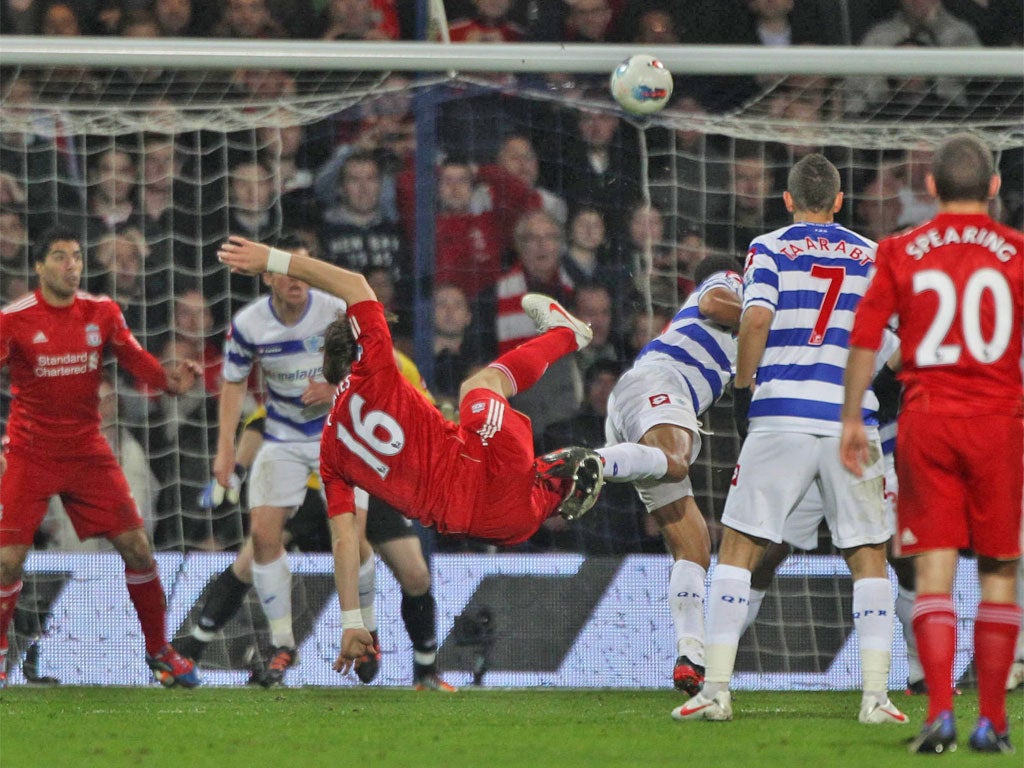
column 641, row 84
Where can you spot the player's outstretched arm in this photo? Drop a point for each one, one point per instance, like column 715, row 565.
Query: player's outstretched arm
column 254, row 258
column 853, row 443
column 356, row 640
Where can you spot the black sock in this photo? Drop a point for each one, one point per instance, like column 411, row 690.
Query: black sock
column 223, row 600
column 419, row 615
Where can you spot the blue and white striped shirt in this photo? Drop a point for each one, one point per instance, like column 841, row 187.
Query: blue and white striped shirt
column 702, row 352
column 811, row 276
column 288, row 356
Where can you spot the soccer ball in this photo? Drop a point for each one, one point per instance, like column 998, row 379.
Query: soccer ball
column 641, row 84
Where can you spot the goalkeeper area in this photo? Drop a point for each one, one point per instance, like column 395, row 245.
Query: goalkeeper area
column 157, row 154
column 109, row 728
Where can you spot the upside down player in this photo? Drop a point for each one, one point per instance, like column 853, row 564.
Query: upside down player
column 53, row 341
column 956, row 285
column 477, row 478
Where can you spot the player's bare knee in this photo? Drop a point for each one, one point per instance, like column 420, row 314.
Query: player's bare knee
column 414, row 581
column 678, row 466
column 486, row 378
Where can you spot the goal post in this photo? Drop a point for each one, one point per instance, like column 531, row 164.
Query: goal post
column 199, row 123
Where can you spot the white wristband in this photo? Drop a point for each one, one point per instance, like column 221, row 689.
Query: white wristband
column 352, row 619
column 278, row 261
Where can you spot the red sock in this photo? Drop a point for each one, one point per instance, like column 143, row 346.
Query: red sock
column 995, row 638
column 935, row 632
column 525, row 364
column 8, row 602
column 147, row 594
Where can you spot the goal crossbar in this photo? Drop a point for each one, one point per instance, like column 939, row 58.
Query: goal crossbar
column 508, row 57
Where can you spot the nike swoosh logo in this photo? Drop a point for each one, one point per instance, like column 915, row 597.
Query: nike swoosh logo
column 684, row 712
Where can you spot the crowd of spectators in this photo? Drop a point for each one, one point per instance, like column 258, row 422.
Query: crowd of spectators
column 527, row 195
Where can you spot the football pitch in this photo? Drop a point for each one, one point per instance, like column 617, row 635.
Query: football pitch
column 348, row 726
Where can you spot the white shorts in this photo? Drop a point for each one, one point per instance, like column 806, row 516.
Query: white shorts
column 643, row 398
column 775, row 471
column 280, row 473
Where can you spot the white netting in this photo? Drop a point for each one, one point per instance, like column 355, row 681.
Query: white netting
column 155, row 168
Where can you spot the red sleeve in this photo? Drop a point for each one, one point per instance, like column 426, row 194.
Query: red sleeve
column 145, row 368
column 341, row 497
column 878, row 304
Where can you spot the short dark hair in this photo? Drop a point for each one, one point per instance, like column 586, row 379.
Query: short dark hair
column 814, row 183
column 289, row 241
column 339, row 350
column 709, row 265
column 599, row 367
column 53, row 235
column 962, row 168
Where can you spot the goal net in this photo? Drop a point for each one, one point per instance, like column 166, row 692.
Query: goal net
column 154, row 166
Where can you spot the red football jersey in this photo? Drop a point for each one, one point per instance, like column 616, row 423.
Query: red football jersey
column 385, row 437
column 956, row 285
column 55, row 359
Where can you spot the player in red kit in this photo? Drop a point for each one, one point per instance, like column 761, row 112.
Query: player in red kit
column 956, row 285
column 52, row 342
column 477, row 478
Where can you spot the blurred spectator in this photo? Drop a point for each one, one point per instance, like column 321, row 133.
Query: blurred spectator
column 247, row 19
column 20, row 17
column 788, row 22
column 468, row 252
column 596, row 163
column 177, row 18
column 916, row 203
column 593, row 304
column 193, row 331
column 119, row 271
column 360, row 20
column 518, row 157
column 180, row 449
column 37, row 157
column 917, row 23
column 110, row 16
column 284, row 149
column 656, row 26
column 15, row 263
column 382, row 125
column 649, row 256
column 490, row 23
column 878, row 207
column 616, row 523
column 252, row 212
column 691, row 175
column 589, row 21
column 753, row 207
column 111, row 177
column 538, row 269
column 356, row 233
column 643, row 327
column 588, row 243
column 454, row 356
column 61, row 19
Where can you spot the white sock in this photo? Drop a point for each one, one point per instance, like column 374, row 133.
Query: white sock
column 872, row 618
column 273, row 582
column 753, row 608
column 686, row 603
column 727, row 608
column 905, row 613
column 368, row 592
column 627, row 462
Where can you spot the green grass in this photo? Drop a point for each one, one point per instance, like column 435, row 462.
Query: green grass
column 338, row 727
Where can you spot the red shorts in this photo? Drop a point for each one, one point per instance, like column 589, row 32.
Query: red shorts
column 90, row 483
column 961, row 484
column 510, row 505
